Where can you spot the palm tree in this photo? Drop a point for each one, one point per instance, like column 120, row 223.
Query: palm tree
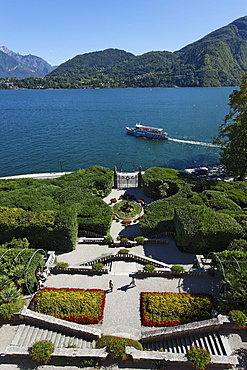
column 4, row 281
column 10, row 294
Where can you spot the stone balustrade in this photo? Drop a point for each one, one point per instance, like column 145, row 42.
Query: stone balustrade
column 53, row 322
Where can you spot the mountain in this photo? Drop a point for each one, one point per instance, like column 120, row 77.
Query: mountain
column 217, row 59
column 15, row 65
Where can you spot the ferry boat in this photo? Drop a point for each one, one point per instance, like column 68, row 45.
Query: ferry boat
column 147, row 131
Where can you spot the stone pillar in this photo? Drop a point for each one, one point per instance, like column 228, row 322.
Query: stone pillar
column 140, row 177
column 115, row 178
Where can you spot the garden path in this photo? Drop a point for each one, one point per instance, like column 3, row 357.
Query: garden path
column 116, row 227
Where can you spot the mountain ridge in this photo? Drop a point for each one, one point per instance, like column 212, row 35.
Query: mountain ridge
column 22, row 66
column 217, row 59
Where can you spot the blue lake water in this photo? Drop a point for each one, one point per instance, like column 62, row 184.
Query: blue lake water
column 64, row 130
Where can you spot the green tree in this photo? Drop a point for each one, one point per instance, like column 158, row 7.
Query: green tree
column 232, row 136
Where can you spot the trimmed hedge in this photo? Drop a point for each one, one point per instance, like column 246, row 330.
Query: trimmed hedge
column 236, row 191
column 94, row 214
column 159, row 216
column 45, row 211
column 200, row 229
column 218, row 201
column 45, row 229
column 154, row 177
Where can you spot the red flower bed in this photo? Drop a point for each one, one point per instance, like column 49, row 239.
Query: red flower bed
column 171, row 309
column 76, row 305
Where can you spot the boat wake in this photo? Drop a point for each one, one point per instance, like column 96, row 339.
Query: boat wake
column 191, row 142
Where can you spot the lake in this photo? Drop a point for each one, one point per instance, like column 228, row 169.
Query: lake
column 65, row 130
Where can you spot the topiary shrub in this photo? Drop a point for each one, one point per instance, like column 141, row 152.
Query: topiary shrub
column 154, row 179
column 106, row 339
column 41, row 351
column 178, row 270
column 238, row 244
column 123, row 251
column 8, row 310
column 108, row 239
column 149, row 268
column 62, row 265
column 199, row 357
column 140, row 240
column 98, row 266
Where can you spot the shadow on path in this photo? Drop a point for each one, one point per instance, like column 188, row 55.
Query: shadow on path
column 124, row 288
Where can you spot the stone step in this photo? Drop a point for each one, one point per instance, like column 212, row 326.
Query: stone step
column 26, row 335
column 213, row 342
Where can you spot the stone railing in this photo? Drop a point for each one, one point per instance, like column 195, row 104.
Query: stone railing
column 176, row 357
column 203, row 325
column 60, row 352
column 79, row 270
column 115, row 256
column 227, row 361
column 53, row 322
column 164, row 272
column 88, row 240
column 51, row 260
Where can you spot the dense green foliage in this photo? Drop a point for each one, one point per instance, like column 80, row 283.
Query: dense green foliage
column 20, row 266
column 104, row 341
column 17, row 275
column 206, row 215
column 232, row 266
column 202, row 230
column 233, row 134
column 199, row 357
column 41, row 351
column 218, row 59
column 49, row 212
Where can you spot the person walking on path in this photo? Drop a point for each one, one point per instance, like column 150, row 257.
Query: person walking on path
column 133, row 282
column 111, row 285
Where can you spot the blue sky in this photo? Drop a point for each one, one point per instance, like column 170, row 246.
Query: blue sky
column 57, row 30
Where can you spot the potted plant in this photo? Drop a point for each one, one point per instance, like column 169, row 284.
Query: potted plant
column 108, row 239
column 98, row 266
column 149, row 268
column 124, row 240
column 61, row 265
column 177, row 270
column 140, row 239
column 123, row 251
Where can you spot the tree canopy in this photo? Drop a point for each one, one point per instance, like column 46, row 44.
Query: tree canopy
column 232, row 136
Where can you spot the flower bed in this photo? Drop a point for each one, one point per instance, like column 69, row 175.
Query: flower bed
column 77, row 305
column 127, row 209
column 170, row 309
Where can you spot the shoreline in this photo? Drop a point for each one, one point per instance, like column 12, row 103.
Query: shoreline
column 213, row 173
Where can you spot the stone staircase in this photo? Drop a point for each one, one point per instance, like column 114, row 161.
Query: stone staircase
column 215, row 343
column 27, row 334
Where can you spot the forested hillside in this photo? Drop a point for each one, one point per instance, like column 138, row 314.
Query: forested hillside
column 218, row 59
